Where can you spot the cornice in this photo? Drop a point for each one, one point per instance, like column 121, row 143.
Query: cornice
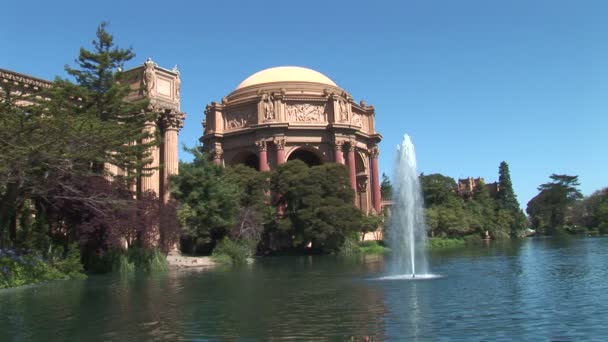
column 8, row 75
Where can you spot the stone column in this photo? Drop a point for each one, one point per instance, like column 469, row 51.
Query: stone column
column 280, row 144
column 262, row 155
column 377, row 196
column 172, row 123
column 339, row 157
column 151, row 181
column 351, row 166
column 217, row 156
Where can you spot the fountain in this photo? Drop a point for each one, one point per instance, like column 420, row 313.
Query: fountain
column 407, row 231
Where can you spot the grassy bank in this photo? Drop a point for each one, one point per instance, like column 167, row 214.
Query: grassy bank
column 372, row 247
column 444, row 243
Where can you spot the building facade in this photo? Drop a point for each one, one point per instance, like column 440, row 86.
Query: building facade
column 285, row 113
column 147, row 81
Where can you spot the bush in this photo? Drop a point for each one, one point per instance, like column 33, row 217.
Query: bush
column 350, row 247
column 372, row 247
column 20, row 268
column 442, row 243
column 234, row 252
column 71, row 265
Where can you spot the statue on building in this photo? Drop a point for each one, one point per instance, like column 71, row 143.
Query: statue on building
column 149, row 76
column 268, row 107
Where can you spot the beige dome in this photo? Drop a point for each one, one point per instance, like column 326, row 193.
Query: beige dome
column 286, row 74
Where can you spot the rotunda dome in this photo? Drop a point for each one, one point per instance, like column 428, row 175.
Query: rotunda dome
column 286, row 74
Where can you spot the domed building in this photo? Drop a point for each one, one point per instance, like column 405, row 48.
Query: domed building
column 286, row 113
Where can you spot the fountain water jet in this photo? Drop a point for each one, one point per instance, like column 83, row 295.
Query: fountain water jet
column 407, row 231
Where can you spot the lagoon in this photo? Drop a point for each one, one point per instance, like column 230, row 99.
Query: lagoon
column 533, row 289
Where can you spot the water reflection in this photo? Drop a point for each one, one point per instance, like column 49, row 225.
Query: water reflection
column 538, row 289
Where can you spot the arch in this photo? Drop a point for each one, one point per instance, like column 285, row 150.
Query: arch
column 246, row 158
column 310, row 156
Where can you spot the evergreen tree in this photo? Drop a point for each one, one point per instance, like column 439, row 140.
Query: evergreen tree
column 101, row 92
column 506, row 196
column 386, row 188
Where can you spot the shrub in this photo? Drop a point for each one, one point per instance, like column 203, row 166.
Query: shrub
column 372, row 247
column 350, row 247
column 442, row 243
column 18, row 269
column 71, row 265
column 235, row 252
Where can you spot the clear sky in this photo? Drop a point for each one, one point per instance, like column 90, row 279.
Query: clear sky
column 474, row 82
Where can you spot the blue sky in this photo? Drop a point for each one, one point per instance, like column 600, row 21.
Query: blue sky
column 474, row 82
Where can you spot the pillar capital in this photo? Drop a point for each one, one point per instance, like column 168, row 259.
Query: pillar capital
column 279, row 143
column 374, row 152
column 261, row 144
column 172, row 120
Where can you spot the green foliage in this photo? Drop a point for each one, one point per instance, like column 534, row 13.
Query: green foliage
column 386, row 188
column 506, row 196
column 443, row 243
column 319, row 205
column 209, row 199
column 438, row 189
column 22, row 268
column 449, row 215
column 234, row 252
column 71, row 265
column 552, row 208
column 372, row 247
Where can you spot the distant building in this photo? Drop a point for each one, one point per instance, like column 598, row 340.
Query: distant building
column 468, row 186
column 286, row 113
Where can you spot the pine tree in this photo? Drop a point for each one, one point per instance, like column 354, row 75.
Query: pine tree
column 506, row 196
column 101, row 92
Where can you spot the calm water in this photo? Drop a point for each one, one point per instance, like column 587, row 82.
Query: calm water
column 538, row 289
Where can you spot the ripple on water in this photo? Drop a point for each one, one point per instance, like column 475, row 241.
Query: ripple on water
column 428, row 276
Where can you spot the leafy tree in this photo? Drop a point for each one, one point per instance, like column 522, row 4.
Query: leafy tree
column 552, row 207
column 386, row 188
column 254, row 209
column 209, row 201
column 438, row 189
column 319, row 205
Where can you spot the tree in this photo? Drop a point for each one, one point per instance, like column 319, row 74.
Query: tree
column 319, row 205
column 101, row 94
column 437, row 189
column 506, row 196
column 552, row 207
column 209, row 200
column 48, row 148
column 513, row 218
column 386, row 188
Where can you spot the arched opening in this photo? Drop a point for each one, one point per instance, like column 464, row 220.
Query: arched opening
column 309, row 157
column 247, row 158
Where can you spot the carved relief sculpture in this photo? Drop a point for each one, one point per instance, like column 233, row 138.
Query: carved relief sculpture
column 357, row 120
column 149, row 76
column 307, row 112
column 238, row 118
